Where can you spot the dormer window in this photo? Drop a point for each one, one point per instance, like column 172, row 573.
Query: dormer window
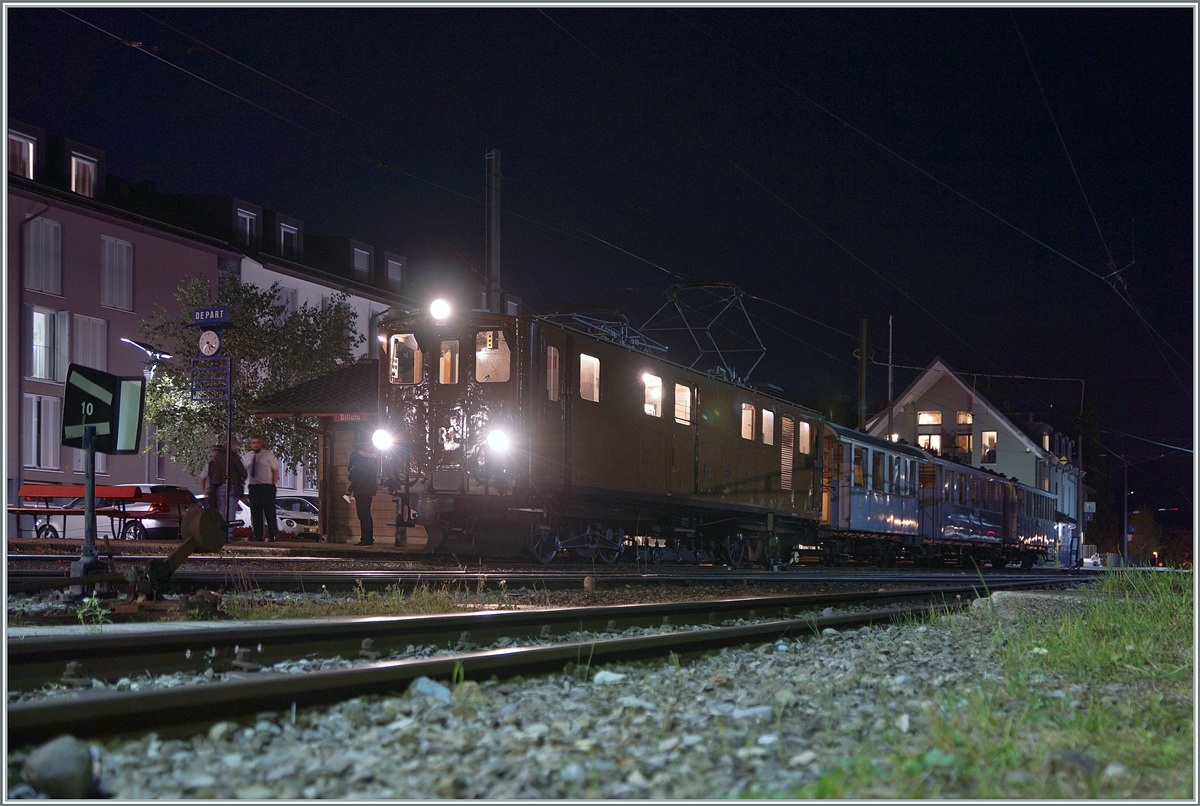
column 288, row 241
column 395, row 272
column 362, row 261
column 20, row 155
column 247, row 226
column 83, row 175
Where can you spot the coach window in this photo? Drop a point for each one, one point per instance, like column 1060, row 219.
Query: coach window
column 860, row 470
column 589, row 377
column 893, row 474
column 878, row 458
column 804, row 437
column 948, row 494
column 552, row 373
column 653, row 400
column 747, row 421
column 768, row 427
column 493, row 358
column 448, row 362
column 683, row 404
column 404, row 358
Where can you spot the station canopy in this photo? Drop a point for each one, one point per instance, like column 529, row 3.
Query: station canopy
column 345, row 391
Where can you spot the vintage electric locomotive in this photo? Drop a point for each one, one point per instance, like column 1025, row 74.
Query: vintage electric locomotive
column 522, row 432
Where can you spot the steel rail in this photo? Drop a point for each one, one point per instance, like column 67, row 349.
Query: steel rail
column 178, row 710
column 36, row 660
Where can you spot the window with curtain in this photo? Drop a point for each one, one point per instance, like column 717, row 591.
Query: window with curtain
column 42, row 429
column 116, row 273
column 43, row 256
column 91, row 343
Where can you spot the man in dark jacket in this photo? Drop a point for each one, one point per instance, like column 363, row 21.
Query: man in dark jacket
column 363, row 469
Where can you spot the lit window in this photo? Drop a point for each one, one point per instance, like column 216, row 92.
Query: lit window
column 20, row 155
column 116, row 273
column 43, row 256
column 988, row 445
column 552, row 373
column 589, row 378
column 768, row 427
column 448, row 362
column 83, row 176
column 683, row 404
column 288, row 239
column 859, row 478
column 747, row 421
column 653, row 402
column 362, row 261
column 42, row 425
column 962, row 442
column 966, row 417
column 246, row 226
column 929, row 418
column 1045, row 442
column 404, row 358
column 804, row 442
column 930, row 442
column 492, row 357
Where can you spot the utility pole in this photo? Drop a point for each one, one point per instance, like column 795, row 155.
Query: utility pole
column 862, row 378
column 889, row 431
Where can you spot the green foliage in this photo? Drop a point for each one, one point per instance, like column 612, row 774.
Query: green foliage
column 92, row 613
column 271, row 351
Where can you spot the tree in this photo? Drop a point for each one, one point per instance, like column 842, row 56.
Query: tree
column 271, row 350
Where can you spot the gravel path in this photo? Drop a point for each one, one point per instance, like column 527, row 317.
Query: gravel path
column 758, row 721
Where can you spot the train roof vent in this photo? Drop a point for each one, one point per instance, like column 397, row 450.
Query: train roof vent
column 606, row 323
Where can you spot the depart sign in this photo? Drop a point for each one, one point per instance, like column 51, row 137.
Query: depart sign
column 112, row 404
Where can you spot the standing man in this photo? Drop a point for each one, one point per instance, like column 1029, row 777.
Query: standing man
column 363, row 469
column 262, row 473
column 213, row 482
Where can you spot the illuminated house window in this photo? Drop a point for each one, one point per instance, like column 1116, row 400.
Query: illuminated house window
column 747, row 421
column 988, row 445
column 859, row 478
column 404, row 359
column 493, row 359
column 589, row 378
column 552, row 373
column 116, row 273
column 83, row 176
column 20, row 155
column 448, row 362
column 962, row 443
column 653, row 400
column 966, row 417
column 930, row 442
column 929, row 418
column 1045, row 442
column 804, row 441
column 768, row 427
column 683, row 404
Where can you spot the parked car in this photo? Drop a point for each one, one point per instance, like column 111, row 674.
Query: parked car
column 303, row 523
column 159, row 518
column 299, row 503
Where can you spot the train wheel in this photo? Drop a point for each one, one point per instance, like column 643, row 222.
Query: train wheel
column 133, row 531
column 610, row 554
column 544, row 547
column 585, row 553
column 46, row 531
column 734, row 549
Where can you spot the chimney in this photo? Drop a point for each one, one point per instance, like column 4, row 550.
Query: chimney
column 492, row 254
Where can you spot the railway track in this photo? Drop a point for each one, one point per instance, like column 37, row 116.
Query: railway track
column 692, row 627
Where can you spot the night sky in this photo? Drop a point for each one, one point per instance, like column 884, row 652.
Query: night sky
column 842, row 163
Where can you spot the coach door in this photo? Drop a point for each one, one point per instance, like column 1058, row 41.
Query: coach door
column 685, row 436
column 550, row 392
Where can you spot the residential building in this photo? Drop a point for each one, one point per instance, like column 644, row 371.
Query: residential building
column 940, row 413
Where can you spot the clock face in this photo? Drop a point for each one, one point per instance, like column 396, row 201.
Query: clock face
column 210, row 342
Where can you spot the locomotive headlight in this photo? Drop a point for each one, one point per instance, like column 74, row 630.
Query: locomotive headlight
column 440, row 310
column 497, row 440
column 382, row 439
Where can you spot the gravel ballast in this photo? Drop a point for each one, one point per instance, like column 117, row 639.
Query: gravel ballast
column 755, row 721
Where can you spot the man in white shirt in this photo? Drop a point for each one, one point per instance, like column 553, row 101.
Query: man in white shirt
column 262, row 474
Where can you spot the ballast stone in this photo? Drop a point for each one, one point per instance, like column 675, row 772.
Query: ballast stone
column 1015, row 605
column 61, row 768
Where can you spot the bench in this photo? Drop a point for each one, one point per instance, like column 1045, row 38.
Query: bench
column 122, row 522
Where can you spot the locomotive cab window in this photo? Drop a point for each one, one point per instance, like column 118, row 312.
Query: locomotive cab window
column 493, row 358
column 653, row 399
column 804, row 437
column 589, row 378
column 768, row 427
column 552, row 373
column 747, row 421
column 683, row 404
column 404, row 359
column 448, row 362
